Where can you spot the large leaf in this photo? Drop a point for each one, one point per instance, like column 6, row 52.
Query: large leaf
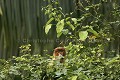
column 83, row 35
column 60, row 26
column 47, row 28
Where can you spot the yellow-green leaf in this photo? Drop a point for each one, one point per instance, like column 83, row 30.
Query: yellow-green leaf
column 74, row 20
column 0, row 11
column 49, row 21
column 83, row 35
column 60, row 26
column 47, row 28
column 59, row 34
column 74, row 77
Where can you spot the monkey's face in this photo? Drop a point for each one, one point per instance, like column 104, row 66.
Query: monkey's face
column 59, row 52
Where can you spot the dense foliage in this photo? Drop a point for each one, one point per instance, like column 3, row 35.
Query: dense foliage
column 94, row 24
column 85, row 45
column 80, row 64
column 76, row 67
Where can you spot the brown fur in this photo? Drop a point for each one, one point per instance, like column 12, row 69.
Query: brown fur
column 59, row 51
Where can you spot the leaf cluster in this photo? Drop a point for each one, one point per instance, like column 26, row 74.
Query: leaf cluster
column 76, row 67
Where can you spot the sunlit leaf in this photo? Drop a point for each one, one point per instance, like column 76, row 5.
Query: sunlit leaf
column 60, row 26
column 59, row 34
column 87, row 8
column 74, row 20
column 83, row 35
column 49, row 21
column 108, row 39
column 1, row 11
column 74, row 77
column 47, row 28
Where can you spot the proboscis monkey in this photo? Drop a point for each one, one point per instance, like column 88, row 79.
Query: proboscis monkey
column 60, row 53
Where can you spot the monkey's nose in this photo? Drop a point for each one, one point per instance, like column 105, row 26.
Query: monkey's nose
column 60, row 54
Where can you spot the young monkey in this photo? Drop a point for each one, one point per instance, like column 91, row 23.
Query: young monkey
column 59, row 53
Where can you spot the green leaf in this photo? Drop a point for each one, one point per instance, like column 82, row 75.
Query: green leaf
column 0, row 11
column 87, row 8
column 60, row 26
column 74, row 20
column 47, row 28
column 50, row 20
column 65, row 31
column 59, row 34
column 70, row 25
column 58, row 73
column 93, row 31
column 2, row 76
column 83, row 35
column 83, row 76
column 74, row 77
